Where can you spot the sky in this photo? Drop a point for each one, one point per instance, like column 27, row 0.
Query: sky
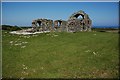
column 22, row 13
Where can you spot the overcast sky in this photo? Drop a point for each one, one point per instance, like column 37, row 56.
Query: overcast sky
column 22, row 13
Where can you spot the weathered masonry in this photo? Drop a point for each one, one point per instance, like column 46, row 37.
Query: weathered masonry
column 78, row 21
column 42, row 25
column 60, row 25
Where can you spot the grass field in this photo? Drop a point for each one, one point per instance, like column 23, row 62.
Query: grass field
column 60, row 55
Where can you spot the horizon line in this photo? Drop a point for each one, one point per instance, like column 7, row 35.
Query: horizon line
column 60, row 1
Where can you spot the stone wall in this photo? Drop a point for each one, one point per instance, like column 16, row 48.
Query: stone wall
column 60, row 25
column 78, row 21
column 42, row 25
column 79, row 24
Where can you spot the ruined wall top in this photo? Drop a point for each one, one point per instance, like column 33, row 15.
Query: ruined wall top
column 78, row 21
column 41, row 19
column 76, row 14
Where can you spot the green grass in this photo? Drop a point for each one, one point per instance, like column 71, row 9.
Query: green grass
column 68, row 55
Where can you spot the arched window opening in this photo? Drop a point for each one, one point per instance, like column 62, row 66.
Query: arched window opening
column 59, row 23
column 39, row 23
column 79, row 16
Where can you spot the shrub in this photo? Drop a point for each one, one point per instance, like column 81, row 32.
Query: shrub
column 10, row 28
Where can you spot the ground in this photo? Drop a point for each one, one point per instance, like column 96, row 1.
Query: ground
column 60, row 55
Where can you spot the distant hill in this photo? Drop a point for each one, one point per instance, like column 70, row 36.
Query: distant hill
column 10, row 28
column 110, row 27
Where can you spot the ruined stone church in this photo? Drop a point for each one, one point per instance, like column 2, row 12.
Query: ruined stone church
column 78, row 21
